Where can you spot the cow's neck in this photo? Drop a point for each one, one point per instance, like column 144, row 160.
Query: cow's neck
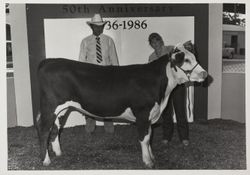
column 171, row 85
column 172, row 79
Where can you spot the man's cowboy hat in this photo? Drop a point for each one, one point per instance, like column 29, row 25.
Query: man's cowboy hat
column 97, row 20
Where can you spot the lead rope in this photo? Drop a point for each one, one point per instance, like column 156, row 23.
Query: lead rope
column 189, row 102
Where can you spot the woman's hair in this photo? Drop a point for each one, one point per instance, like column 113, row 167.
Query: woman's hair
column 154, row 36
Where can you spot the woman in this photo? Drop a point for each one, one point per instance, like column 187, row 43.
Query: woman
column 176, row 100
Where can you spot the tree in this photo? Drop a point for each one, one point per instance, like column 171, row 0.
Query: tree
column 231, row 14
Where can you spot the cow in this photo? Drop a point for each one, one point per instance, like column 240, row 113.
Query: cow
column 137, row 93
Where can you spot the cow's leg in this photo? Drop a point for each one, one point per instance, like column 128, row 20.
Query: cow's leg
column 57, row 128
column 55, row 138
column 144, row 131
column 45, row 129
column 147, row 155
column 44, row 123
column 64, row 118
column 149, row 146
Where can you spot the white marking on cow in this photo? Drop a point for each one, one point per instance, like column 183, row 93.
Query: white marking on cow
column 172, row 82
column 197, row 73
column 164, row 101
column 56, row 146
column 147, row 155
column 46, row 161
column 155, row 113
column 57, row 123
column 61, row 109
column 151, row 153
column 56, row 143
column 127, row 115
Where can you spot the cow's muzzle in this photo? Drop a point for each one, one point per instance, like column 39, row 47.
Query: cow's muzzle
column 203, row 74
column 188, row 72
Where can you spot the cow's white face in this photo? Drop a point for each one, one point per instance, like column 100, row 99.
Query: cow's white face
column 185, row 67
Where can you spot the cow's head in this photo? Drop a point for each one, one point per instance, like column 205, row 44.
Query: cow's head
column 184, row 65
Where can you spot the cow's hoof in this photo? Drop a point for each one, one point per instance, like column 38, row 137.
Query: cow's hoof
column 46, row 162
column 58, row 153
column 150, row 165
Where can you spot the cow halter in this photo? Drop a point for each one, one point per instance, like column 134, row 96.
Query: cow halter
column 187, row 72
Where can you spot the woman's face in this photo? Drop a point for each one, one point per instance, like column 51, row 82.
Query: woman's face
column 156, row 43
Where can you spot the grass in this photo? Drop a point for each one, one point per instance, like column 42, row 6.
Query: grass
column 216, row 144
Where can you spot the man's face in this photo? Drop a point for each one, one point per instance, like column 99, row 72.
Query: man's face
column 97, row 30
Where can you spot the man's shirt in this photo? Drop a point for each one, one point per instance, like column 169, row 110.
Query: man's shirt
column 88, row 50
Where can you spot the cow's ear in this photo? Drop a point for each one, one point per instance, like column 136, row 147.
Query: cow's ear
column 175, row 50
column 187, row 42
column 189, row 46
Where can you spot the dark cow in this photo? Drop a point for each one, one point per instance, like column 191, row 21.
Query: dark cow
column 137, row 93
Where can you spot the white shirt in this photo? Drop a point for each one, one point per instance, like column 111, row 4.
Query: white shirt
column 88, row 50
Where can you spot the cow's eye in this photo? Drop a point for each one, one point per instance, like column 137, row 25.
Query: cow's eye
column 187, row 61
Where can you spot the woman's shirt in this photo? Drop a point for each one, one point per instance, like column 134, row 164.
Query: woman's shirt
column 165, row 50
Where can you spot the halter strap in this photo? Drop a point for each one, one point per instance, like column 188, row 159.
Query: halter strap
column 189, row 72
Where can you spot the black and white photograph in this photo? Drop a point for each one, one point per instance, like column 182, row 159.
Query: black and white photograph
column 125, row 86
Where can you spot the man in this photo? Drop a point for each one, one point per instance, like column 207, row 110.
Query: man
column 98, row 48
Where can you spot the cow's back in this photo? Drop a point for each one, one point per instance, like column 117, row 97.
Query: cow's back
column 99, row 87
column 52, row 69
